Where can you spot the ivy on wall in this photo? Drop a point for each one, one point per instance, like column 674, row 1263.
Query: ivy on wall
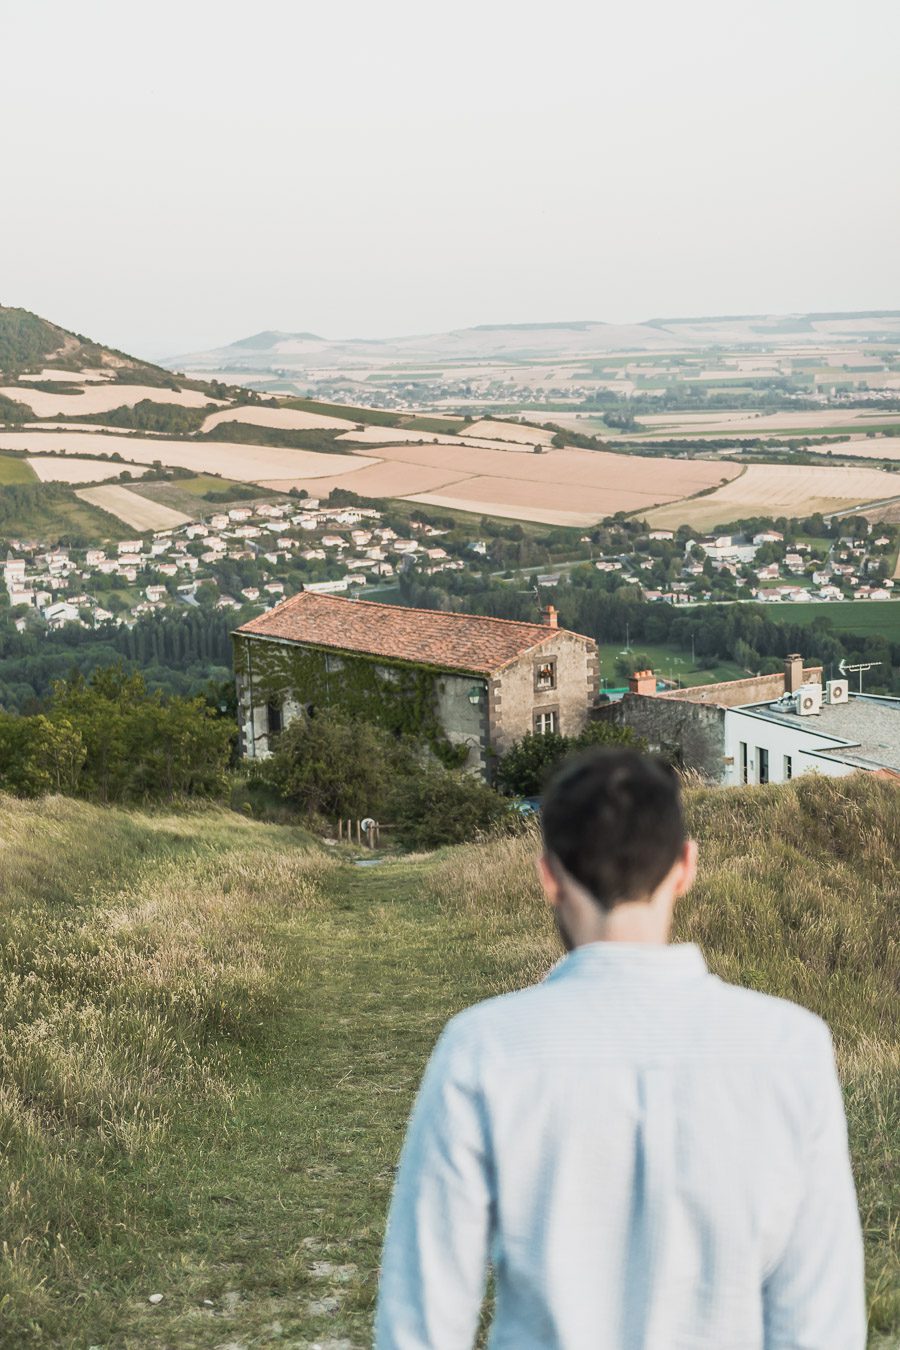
column 400, row 698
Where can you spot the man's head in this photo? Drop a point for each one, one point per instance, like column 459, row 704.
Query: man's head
column 616, row 855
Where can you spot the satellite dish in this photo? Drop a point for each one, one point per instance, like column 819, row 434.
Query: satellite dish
column 367, row 824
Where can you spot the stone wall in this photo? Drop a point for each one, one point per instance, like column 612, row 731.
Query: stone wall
column 513, row 699
column 692, row 735
column 735, row 693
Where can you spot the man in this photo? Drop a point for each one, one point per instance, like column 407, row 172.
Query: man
column 651, row 1159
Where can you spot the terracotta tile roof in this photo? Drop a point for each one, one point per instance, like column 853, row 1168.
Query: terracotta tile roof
column 465, row 642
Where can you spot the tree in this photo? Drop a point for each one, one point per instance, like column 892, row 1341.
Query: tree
column 329, row 765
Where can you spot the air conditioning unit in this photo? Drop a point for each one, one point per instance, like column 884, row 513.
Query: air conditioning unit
column 838, row 691
column 809, row 699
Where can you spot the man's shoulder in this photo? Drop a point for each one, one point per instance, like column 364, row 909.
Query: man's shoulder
column 752, row 1022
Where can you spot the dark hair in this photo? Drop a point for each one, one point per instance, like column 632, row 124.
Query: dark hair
column 613, row 818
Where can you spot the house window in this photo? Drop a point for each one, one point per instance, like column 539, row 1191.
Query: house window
column 788, row 768
column 274, row 719
column 743, row 763
column 545, row 675
column 762, row 765
column 546, row 723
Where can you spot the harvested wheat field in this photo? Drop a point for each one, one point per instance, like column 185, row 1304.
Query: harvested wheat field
column 372, row 435
column 781, row 490
column 100, row 398
column 59, row 469
column 510, row 431
column 246, row 463
column 286, row 419
column 560, row 487
column 755, row 424
column 139, row 513
column 376, row 480
column 862, row 447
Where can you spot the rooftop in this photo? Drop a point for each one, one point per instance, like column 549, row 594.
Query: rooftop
column 471, row 643
column 864, row 732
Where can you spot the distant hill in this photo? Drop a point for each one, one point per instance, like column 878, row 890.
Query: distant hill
column 289, row 353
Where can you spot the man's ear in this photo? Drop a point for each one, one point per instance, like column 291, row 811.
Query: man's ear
column 549, row 883
column 687, row 865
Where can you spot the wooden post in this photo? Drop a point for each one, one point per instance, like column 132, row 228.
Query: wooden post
column 340, row 828
column 358, row 833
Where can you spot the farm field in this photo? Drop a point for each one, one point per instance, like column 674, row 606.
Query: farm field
column 561, row 487
column 750, row 423
column 266, row 1010
column 136, row 511
column 13, row 469
column 187, row 494
column 102, row 398
column 869, row 618
column 247, row 463
column 288, row 419
column 58, row 469
column 781, row 490
column 509, row 431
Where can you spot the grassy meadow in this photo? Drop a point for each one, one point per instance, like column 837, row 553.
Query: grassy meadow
column 213, row 1029
column 14, row 469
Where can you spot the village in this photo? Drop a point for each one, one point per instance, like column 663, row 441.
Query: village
column 257, row 553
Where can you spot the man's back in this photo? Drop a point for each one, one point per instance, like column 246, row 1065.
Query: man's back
column 651, row 1159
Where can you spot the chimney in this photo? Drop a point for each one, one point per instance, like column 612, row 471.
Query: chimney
column 551, row 618
column 793, row 672
column 642, row 682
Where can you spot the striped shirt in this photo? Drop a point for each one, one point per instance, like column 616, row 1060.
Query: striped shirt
column 649, row 1159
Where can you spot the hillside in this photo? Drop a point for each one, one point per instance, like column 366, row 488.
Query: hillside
column 213, row 1030
column 30, row 344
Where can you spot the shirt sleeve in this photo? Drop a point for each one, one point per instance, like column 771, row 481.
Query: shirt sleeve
column 435, row 1256
column 815, row 1296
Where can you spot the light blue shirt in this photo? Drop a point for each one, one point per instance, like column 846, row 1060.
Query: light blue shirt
column 649, row 1158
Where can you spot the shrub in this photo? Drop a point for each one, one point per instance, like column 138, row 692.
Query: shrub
column 527, row 765
column 433, row 806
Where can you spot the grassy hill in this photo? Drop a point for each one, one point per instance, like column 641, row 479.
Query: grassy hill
column 213, row 1030
column 28, row 342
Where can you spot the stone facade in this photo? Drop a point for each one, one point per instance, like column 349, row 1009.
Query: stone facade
column 511, row 678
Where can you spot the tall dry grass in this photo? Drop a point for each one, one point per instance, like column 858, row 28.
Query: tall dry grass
column 134, row 947
column 798, row 895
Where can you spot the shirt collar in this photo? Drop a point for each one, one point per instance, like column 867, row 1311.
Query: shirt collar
column 640, row 960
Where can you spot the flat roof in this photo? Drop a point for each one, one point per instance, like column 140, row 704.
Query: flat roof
column 865, row 731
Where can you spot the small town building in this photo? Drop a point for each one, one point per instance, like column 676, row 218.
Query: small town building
column 468, row 683
column 767, row 728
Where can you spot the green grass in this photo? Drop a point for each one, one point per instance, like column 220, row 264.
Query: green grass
column 869, row 618
column 213, row 1031
column 186, row 494
column 670, row 661
column 52, row 513
column 375, row 417
column 15, row 470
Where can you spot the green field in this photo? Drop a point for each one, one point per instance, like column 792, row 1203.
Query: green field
column 669, row 662
column 15, row 470
column 187, row 494
column 869, row 618
column 52, row 514
column 233, row 1022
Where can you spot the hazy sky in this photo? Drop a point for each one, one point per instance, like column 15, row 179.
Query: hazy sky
column 179, row 175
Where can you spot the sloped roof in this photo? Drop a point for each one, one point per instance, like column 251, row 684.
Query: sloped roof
column 465, row 642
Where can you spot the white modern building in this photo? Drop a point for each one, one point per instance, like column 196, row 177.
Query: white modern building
column 818, row 729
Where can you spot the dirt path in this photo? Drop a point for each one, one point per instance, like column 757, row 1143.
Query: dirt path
column 276, row 1212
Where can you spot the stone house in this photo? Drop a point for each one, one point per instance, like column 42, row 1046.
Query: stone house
column 467, row 684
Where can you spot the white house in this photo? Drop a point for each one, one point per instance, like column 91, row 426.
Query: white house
column 817, row 730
